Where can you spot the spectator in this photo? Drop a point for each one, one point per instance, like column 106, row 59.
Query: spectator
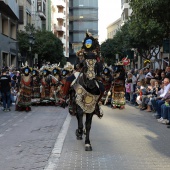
column 133, row 84
column 145, row 71
column 150, row 74
column 167, row 70
column 128, row 89
column 140, row 76
column 158, row 74
column 166, row 100
column 163, row 75
column 139, row 96
column 5, row 82
column 153, row 94
column 160, row 100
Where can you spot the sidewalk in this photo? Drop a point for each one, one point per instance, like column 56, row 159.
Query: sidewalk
column 127, row 139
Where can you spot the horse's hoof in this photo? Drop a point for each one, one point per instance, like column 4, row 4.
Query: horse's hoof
column 88, row 147
column 79, row 136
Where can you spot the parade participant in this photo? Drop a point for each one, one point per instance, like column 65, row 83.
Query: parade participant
column 67, row 71
column 5, row 86
column 23, row 102
column 82, row 66
column 45, row 85
column 118, row 91
column 35, row 87
column 107, row 82
column 55, row 83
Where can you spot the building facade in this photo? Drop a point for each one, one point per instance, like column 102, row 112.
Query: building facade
column 113, row 28
column 83, row 16
column 59, row 22
column 33, row 12
column 126, row 11
column 9, row 15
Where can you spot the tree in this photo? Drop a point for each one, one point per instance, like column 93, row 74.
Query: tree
column 157, row 10
column 146, row 36
column 108, row 51
column 47, row 45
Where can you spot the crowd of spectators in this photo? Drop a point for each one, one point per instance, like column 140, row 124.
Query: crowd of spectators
column 149, row 90
column 9, row 85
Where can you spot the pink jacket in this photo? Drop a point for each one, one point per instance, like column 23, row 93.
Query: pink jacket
column 128, row 87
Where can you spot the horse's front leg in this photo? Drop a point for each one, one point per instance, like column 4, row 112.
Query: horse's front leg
column 88, row 122
column 79, row 131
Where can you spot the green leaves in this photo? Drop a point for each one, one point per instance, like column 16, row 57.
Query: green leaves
column 145, row 30
column 47, row 45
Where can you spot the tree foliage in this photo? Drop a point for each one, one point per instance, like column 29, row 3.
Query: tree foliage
column 158, row 10
column 47, row 45
column 144, row 31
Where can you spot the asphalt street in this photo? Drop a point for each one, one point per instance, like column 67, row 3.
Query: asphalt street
column 44, row 139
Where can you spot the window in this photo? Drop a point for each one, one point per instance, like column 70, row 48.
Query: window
column 21, row 15
column 13, row 31
column 5, row 26
column 39, row 6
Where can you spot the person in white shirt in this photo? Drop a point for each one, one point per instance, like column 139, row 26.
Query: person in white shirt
column 149, row 74
column 159, row 101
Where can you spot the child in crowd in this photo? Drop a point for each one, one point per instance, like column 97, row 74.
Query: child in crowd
column 13, row 94
column 128, row 89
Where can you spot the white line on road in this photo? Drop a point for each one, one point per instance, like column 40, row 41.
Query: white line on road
column 55, row 154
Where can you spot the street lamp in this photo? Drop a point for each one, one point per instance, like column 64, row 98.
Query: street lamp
column 31, row 39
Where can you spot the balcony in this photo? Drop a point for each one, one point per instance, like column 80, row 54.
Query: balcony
column 60, row 28
column 61, row 16
column 60, row 3
column 62, row 40
column 125, row 5
column 10, row 7
column 42, row 15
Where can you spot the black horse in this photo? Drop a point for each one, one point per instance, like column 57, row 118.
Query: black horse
column 84, row 97
column 86, row 90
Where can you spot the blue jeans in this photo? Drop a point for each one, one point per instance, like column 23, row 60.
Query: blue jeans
column 153, row 103
column 158, row 107
column 6, row 99
column 164, row 111
column 133, row 100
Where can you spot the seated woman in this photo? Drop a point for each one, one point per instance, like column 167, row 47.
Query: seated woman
column 147, row 94
column 153, row 94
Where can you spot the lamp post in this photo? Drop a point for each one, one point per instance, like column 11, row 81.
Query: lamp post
column 31, row 42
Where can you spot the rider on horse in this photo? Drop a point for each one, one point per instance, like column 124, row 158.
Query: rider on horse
column 79, row 66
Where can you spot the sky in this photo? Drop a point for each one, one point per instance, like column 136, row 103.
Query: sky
column 109, row 11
